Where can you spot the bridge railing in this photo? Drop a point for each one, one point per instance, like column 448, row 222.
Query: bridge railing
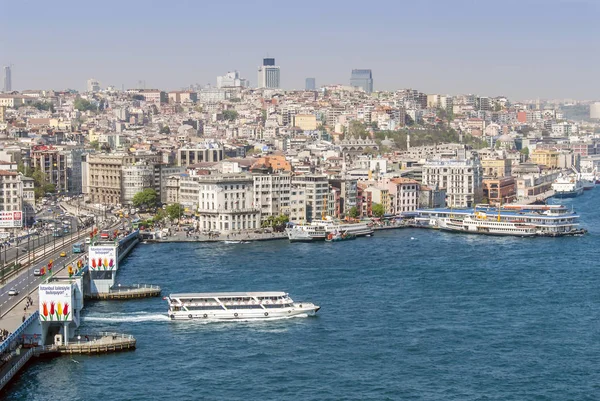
column 4, row 379
column 14, row 336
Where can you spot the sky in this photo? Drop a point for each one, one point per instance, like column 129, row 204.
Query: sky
column 523, row 49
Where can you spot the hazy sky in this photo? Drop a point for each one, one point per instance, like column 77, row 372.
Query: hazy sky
column 518, row 48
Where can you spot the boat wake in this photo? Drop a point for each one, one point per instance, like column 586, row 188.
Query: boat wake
column 127, row 317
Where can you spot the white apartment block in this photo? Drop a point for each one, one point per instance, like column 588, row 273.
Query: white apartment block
column 272, row 194
column 134, row 179
column 316, row 189
column 225, row 203
column 297, row 205
column 189, row 191
column 462, row 180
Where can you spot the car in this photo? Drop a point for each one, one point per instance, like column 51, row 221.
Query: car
column 13, row 292
column 37, row 272
column 63, row 254
column 88, row 240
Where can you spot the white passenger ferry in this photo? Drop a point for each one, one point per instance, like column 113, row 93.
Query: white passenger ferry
column 318, row 230
column 489, row 227
column 236, row 305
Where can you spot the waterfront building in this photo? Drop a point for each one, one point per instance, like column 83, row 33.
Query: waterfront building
column 362, row 79
column 404, row 194
column 348, row 193
column 272, row 194
column 225, row 203
column 462, row 180
column 316, row 190
column 269, row 74
column 310, row 84
column 499, row 191
column 200, row 152
column 297, row 205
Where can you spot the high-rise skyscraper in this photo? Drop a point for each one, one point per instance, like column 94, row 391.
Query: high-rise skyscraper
column 93, row 85
column 310, row 84
column 362, row 79
column 7, row 79
column 268, row 74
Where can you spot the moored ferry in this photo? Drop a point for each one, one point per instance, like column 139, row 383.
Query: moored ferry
column 236, row 306
column 567, row 186
column 487, row 227
column 547, row 220
column 318, row 230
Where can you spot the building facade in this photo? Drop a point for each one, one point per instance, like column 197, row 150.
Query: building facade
column 52, row 162
column 462, row 180
column 269, row 74
column 316, row 190
column 272, row 194
column 362, row 79
column 225, row 203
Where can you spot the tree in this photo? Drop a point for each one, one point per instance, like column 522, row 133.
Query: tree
column 175, row 211
column 95, row 145
column 357, row 128
column 83, row 105
column 145, row 199
column 353, row 212
column 377, row 210
column 230, row 115
column 165, row 129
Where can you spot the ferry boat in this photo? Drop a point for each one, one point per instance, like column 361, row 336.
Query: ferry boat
column 236, row 306
column 588, row 180
column 318, row 230
column 487, row 227
column 567, row 186
column 548, row 220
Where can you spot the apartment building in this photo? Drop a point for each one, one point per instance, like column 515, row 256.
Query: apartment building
column 198, row 153
column 225, row 203
column 104, row 176
column 53, row 163
column 297, row 205
column 316, row 190
column 404, row 194
column 462, row 180
column 17, row 195
column 272, row 194
column 135, row 178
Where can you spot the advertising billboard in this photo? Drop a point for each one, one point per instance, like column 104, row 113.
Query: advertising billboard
column 103, row 257
column 56, row 302
column 11, row 219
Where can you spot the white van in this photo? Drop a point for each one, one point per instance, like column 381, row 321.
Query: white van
column 88, row 241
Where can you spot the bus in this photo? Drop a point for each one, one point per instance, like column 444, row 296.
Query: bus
column 57, row 232
column 78, row 247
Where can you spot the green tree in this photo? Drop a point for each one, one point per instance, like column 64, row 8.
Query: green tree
column 83, row 105
column 164, row 129
column 357, row 129
column 230, row 115
column 353, row 212
column 377, row 210
column 175, row 211
column 525, row 152
column 146, row 198
column 95, row 145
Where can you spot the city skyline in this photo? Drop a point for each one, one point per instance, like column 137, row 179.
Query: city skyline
column 433, row 46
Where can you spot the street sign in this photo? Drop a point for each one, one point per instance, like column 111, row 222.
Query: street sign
column 11, row 219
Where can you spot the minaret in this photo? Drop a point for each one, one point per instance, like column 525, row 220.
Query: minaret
column 407, row 141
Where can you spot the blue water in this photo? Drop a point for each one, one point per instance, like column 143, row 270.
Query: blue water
column 407, row 314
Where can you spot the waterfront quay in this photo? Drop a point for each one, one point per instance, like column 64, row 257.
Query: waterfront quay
column 53, row 328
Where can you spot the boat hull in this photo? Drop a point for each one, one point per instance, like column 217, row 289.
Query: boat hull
column 568, row 194
column 298, row 309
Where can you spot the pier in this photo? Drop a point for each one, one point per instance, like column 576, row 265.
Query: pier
column 44, row 318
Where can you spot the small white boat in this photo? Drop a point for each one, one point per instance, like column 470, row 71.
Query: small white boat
column 232, row 242
column 236, row 306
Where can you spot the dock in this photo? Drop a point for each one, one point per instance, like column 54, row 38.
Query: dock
column 91, row 343
column 128, row 292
